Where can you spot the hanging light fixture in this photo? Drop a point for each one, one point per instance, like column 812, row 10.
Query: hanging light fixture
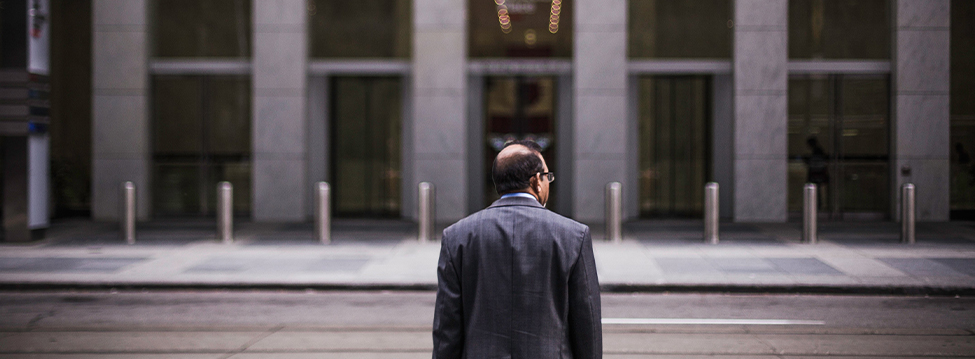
column 503, row 16
column 553, row 18
column 520, row 6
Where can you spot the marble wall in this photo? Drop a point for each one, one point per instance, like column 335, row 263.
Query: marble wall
column 318, row 139
column 600, row 106
column 279, row 113
column 439, row 118
column 760, row 78
column 920, row 123
column 120, row 128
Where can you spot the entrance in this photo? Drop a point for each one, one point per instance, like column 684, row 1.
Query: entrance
column 839, row 139
column 365, row 146
column 516, row 108
column 675, row 144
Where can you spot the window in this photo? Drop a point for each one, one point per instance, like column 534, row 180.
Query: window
column 366, row 144
column 516, row 108
column 193, row 28
column 962, row 110
column 520, row 28
column 839, row 130
column 680, row 29
column 360, row 29
column 839, row 29
column 201, row 135
column 675, row 144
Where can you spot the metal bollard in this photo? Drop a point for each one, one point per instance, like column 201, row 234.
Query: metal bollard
column 614, row 212
column 908, row 214
column 323, row 214
column 809, row 214
column 426, row 211
column 225, row 212
column 127, row 218
column 711, row 213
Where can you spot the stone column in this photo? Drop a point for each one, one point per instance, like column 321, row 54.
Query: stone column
column 599, row 84
column 722, row 139
column 920, row 125
column 279, row 84
column 761, row 115
column 120, row 121
column 439, row 109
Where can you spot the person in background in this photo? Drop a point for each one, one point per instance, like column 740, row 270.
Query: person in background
column 818, row 170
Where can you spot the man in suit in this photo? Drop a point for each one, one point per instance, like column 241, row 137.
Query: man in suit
column 515, row 279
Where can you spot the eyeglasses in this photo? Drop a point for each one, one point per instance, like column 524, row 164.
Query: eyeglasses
column 548, row 175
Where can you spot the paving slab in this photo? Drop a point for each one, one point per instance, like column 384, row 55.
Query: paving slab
column 772, row 344
column 325, row 355
column 419, row 341
column 876, row 345
column 108, row 342
column 115, row 356
column 716, row 344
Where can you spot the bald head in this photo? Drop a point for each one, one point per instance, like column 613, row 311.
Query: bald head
column 515, row 165
column 513, row 153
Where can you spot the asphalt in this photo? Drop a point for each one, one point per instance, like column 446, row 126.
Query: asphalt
column 655, row 256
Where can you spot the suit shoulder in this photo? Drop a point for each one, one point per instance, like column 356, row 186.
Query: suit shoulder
column 567, row 223
column 475, row 220
column 465, row 224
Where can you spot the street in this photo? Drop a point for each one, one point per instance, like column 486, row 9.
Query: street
column 313, row 324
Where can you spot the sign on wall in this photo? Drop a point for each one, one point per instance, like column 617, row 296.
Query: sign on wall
column 39, row 37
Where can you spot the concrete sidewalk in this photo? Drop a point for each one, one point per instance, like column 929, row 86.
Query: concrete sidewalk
column 864, row 258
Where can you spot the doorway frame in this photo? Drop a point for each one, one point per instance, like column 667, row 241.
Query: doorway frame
column 862, row 67
column 834, row 210
column 722, row 123
column 561, row 70
column 708, row 133
column 318, row 140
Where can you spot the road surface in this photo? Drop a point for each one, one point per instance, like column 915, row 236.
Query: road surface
column 296, row 324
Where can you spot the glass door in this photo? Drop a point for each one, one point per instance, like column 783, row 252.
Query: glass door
column 516, row 108
column 839, row 140
column 365, row 146
column 675, row 144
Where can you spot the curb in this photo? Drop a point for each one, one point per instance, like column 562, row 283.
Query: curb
column 8, row 287
column 791, row 289
column 408, row 287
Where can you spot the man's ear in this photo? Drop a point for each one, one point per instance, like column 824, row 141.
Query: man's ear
column 533, row 182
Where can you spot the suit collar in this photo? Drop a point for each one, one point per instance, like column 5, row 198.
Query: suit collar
column 516, row 201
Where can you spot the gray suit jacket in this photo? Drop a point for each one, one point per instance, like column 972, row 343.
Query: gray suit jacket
column 517, row 281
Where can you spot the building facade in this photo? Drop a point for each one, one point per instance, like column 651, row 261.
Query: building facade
column 375, row 96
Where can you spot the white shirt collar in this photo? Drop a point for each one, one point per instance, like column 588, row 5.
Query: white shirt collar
column 519, row 194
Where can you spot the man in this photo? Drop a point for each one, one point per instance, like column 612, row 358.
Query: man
column 818, row 170
column 515, row 279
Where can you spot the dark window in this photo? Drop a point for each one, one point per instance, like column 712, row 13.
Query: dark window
column 194, row 28
column 517, row 108
column 675, row 144
column 366, row 144
column 520, row 28
column 680, row 29
column 70, row 128
column 201, row 135
column 360, row 29
column 962, row 109
column 839, row 29
column 839, row 130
